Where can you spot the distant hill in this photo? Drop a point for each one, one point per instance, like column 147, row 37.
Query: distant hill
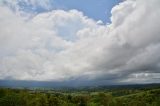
column 58, row 85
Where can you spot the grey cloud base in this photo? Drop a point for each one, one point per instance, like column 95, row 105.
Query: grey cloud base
column 66, row 45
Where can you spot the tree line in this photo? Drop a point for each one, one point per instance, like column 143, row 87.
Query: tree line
column 123, row 97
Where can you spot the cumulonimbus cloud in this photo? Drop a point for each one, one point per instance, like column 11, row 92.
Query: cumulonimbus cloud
column 62, row 45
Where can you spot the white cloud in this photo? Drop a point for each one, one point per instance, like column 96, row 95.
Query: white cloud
column 62, row 45
column 28, row 8
column 17, row 3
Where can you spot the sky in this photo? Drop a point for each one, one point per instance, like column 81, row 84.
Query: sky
column 84, row 41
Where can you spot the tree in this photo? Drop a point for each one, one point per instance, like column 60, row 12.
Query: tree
column 54, row 101
column 11, row 100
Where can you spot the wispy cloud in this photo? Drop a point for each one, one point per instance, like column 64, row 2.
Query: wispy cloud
column 28, row 5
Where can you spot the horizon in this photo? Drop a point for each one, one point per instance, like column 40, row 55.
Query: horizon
column 58, row 85
column 78, row 43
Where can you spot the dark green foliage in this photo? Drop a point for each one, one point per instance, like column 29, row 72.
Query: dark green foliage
column 11, row 100
column 2, row 92
column 54, row 101
column 118, row 97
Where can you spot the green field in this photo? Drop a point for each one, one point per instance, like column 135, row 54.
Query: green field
column 123, row 96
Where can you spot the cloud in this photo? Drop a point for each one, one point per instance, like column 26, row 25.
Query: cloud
column 28, row 6
column 65, row 45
